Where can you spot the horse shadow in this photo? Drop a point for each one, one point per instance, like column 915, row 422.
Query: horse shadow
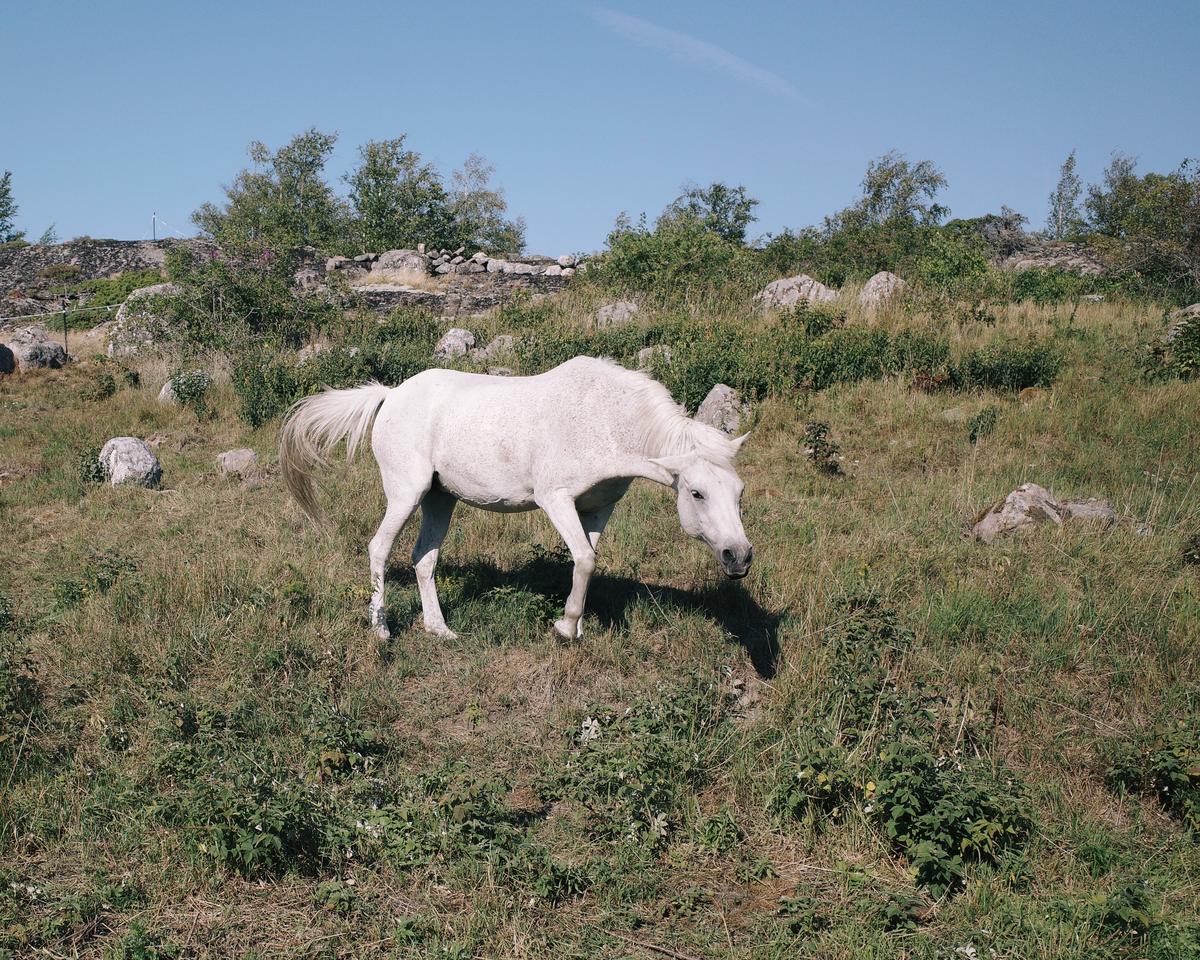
column 611, row 598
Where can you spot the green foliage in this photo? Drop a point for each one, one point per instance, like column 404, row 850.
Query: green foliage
column 681, row 255
column 953, row 265
column 1049, row 286
column 191, row 389
column 726, row 211
column 1148, row 226
column 21, row 696
column 1065, row 219
column 1127, row 910
column 113, row 291
column 88, row 467
column 983, row 423
column 1176, row 354
column 138, row 943
column 283, row 202
column 816, row 783
column 98, row 573
column 268, row 381
column 821, row 450
column 1008, row 365
column 399, row 201
column 101, row 385
column 630, row 770
column 8, row 212
column 1164, row 763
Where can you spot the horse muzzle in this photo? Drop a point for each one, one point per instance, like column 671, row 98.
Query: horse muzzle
column 735, row 561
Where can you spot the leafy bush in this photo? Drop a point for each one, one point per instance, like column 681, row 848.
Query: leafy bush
column 1178, row 353
column 1049, row 286
column 953, row 265
column 191, row 389
column 1163, row 763
column 88, row 466
column 983, row 423
column 816, row 784
column 1008, row 365
column 100, row 386
column 822, row 451
column 113, row 291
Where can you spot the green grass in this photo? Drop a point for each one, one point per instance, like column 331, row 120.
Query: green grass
column 888, row 741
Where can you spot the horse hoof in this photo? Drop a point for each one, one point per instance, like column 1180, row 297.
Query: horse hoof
column 444, row 632
column 383, row 633
column 565, row 632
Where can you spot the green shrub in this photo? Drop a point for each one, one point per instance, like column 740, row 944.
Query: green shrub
column 821, row 450
column 100, row 386
column 113, row 291
column 60, row 272
column 1163, row 763
column 88, row 466
column 1008, row 365
column 191, row 388
column 816, row 784
column 953, row 265
column 1050, row 286
column 1178, row 353
column 983, row 423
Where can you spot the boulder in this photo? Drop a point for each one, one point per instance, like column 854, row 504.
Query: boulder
column 495, row 265
column 130, row 460
column 645, row 356
column 139, row 322
column 167, row 394
column 792, row 290
column 566, row 261
column 32, row 349
column 400, row 266
column 455, row 342
column 554, row 270
column 880, row 289
column 495, row 347
column 1030, row 505
column 241, row 462
column 723, row 408
column 8, row 360
column 613, row 314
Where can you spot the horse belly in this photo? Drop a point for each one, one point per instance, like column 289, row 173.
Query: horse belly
column 488, row 487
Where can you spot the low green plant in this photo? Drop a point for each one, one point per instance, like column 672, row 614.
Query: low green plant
column 88, row 467
column 1162, row 762
column 983, row 423
column 1008, row 365
column 191, row 389
column 822, row 451
column 100, row 386
column 138, row 943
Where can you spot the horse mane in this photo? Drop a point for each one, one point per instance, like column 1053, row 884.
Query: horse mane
column 666, row 428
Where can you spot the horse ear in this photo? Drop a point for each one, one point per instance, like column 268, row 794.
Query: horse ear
column 737, row 443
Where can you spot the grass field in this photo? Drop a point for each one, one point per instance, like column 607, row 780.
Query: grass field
column 887, row 741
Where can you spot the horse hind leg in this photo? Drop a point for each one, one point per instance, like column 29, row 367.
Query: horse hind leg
column 401, row 505
column 436, row 509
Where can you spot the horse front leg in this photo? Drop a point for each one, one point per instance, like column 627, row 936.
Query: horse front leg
column 560, row 508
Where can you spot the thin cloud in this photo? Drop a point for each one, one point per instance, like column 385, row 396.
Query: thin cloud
column 681, row 46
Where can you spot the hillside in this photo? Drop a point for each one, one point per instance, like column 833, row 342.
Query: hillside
column 889, row 740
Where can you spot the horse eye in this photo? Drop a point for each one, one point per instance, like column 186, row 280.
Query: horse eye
column 697, row 495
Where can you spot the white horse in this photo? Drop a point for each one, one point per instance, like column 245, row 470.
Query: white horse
column 570, row 441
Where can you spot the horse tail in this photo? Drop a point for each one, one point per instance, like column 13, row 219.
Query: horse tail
column 314, row 425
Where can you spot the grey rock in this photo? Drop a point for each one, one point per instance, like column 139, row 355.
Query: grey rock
column 457, row 260
column 471, row 266
column 8, row 360
column 554, row 270
column 569, row 271
column 364, row 258
column 614, row 314
column 499, row 372
column 723, row 408
column 880, row 289
column 455, row 342
column 167, row 394
column 32, row 349
column 480, row 257
column 646, row 355
column 566, row 261
column 496, row 265
column 495, row 347
column 130, row 460
column 444, row 268
column 140, row 322
column 1180, row 320
column 1031, row 504
column 790, row 291
column 241, row 462
column 459, row 252
column 1093, row 298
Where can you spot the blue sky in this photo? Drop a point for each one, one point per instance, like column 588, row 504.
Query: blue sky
column 112, row 111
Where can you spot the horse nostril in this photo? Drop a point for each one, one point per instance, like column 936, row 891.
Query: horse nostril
column 727, row 556
column 749, row 554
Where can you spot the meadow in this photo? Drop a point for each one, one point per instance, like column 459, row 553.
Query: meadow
column 888, row 741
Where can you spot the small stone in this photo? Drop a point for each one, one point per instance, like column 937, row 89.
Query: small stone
column 569, row 271
column 455, row 342
column 480, row 257
column 130, row 460
column 723, row 408
column 457, row 260
column 554, row 270
column 566, row 261
column 420, row 248
column 444, row 268
column 495, row 347
column 241, row 462
column 614, row 314
column 1098, row 511
column 1031, row 504
column 459, row 252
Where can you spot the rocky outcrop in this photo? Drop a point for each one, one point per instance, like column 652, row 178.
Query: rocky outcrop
column 130, row 460
column 880, row 289
column 723, row 408
column 32, row 348
column 790, row 291
column 1030, row 505
column 1040, row 254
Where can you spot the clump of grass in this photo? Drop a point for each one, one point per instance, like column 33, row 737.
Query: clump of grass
column 983, row 423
